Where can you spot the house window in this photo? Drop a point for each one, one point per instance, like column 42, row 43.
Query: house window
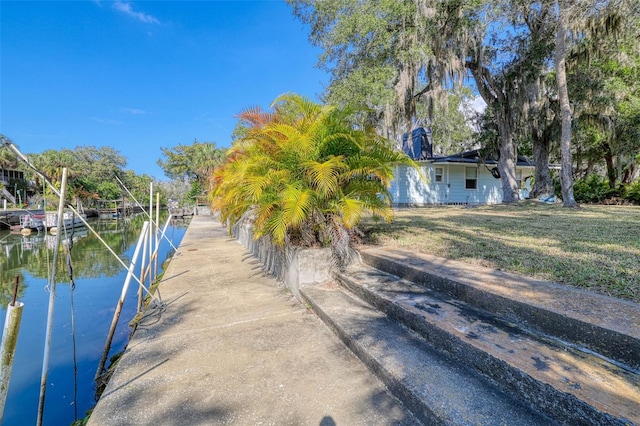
column 439, row 174
column 470, row 178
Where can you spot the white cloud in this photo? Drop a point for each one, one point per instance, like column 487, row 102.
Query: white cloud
column 126, row 8
column 106, row 121
column 472, row 108
column 478, row 104
column 134, row 111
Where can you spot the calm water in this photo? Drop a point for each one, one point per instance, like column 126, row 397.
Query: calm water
column 98, row 277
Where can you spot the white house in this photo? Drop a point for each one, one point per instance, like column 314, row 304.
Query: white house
column 464, row 178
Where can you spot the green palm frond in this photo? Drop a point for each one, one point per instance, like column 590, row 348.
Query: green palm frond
column 340, row 143
column 365, row 187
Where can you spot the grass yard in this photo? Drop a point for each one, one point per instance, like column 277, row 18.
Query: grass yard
column 595, row 247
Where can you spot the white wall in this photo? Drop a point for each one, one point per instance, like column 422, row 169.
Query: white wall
column 488, row 190
column 409, row 189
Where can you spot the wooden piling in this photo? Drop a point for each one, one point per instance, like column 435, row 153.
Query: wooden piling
column 8, row 346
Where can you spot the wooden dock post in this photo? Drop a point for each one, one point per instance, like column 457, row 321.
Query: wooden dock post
column 8, row 347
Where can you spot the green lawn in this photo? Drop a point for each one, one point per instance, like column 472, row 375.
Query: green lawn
column 595, row 247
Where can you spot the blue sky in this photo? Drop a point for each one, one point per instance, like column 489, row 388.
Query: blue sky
column 141, row 75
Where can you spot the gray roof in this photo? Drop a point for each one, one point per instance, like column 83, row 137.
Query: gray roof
column 474, row 157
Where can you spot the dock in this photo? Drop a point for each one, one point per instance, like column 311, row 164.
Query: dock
column 113, row 209
column 231, row 346
column 10, row 218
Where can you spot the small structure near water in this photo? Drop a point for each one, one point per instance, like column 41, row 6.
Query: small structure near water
column 113, row 209
column 29, row 222
column 181, row 211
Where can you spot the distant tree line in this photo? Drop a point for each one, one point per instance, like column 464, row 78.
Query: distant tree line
column 91, row 173
column 191, row 168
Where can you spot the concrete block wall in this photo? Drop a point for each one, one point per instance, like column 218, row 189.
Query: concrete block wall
column 294, row 267
column 305, row 267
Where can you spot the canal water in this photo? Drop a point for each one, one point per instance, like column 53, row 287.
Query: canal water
column 76, row 345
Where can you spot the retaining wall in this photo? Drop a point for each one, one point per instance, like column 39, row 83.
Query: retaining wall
column 294, row 267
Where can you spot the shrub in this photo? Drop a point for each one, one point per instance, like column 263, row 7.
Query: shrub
column 632, row 192
column 592, row 189
column 306, row 173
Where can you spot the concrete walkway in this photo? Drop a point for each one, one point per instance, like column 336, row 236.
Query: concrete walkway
column 233, row 347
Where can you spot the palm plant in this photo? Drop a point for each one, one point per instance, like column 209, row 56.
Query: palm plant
column 306, row 174
column 50, row 163
column 206, row 157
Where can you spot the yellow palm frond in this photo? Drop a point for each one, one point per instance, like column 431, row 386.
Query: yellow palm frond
column 296, row 204
column 263, row 214
column 325, row 177
column 275, row 226
column 304, row 169
column 351, row 210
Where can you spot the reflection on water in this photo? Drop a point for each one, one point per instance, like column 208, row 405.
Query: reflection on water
column 98, row 277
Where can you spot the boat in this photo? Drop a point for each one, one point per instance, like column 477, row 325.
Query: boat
column 30, row 222
column 69, row 220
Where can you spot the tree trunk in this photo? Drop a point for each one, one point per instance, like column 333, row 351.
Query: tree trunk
column 627, row 176
column 634, row 173
column 543, row 186
column 589, row 170
column 620, row 166
column 540, row 128
column 611, row 170
column 507, row 163
column 497, row 101
column 566, row 176
column 579, row 171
